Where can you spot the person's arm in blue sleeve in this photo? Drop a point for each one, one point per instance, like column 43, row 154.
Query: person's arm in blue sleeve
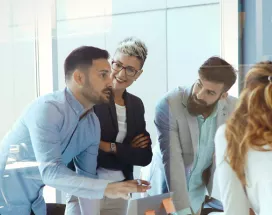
column 44, row 126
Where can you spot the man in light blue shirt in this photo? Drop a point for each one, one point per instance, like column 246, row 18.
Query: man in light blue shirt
column 55, row 129
column 186, row 120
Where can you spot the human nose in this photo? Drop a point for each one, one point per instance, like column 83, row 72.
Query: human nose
column 200, row 95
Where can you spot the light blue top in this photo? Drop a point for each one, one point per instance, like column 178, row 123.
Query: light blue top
column 50, row 133
column 204, row 158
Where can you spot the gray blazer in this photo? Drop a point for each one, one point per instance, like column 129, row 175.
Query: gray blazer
column 178, row 135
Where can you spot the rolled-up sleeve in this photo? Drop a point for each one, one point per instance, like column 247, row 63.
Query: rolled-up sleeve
column 44, row 124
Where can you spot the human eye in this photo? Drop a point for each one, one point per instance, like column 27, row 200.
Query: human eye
column 104, row 74
column 211, row 93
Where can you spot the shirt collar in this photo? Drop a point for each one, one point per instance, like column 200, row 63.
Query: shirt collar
column 212, row 115
column 74, row 103
column 215, row 111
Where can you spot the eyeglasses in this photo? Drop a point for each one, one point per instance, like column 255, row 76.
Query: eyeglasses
column 130, row 71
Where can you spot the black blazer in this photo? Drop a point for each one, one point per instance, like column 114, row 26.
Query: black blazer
column 126, row 156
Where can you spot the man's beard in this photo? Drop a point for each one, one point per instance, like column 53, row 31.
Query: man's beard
column 95, row 97
column 200, row 107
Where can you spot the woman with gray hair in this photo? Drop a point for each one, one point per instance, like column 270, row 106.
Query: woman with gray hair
column 124, row 139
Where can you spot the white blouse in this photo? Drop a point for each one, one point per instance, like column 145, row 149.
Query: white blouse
column 258, row 170
column 116, row 175
column 122, row 123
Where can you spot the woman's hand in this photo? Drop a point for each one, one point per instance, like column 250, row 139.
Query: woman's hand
column 105, row 146
column 140, row 141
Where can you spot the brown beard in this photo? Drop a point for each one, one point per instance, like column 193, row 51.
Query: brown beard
column 200, row 108
column 94, row 97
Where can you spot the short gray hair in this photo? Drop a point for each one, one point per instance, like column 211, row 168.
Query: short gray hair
column 133, row 47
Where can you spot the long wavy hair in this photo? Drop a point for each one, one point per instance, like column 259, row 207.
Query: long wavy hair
column 250, row 126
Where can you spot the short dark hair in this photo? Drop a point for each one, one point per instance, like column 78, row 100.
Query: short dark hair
column 215, row 69
column 82, row 58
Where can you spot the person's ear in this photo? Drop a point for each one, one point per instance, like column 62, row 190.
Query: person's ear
column 224, row 95
column 79, row 78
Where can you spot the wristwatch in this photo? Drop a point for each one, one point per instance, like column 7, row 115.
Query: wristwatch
column 113, row 147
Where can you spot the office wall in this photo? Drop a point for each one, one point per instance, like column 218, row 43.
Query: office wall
column 17, row 54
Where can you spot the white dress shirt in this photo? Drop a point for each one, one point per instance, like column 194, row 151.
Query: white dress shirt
column 258, row 195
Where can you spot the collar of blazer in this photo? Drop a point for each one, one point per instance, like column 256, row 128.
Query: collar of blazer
column 125, row 97
column 129, row 111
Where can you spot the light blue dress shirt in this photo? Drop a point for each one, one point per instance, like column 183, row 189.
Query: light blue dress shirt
column 50, row 133
column 204, row 158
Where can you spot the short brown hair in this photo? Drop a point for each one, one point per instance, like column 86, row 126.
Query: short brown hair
column 215, row 69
